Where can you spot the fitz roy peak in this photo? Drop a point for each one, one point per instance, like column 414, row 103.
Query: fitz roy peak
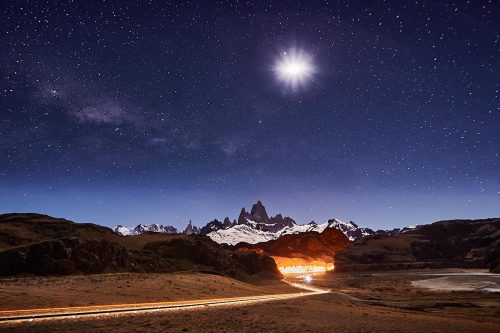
column 258, row 219
column 251, row 227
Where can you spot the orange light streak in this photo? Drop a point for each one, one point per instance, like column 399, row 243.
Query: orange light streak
column 300, row 265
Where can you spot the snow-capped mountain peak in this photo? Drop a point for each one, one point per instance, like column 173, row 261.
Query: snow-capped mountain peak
column 241, row 233
column 142, row 228
column 124, row 231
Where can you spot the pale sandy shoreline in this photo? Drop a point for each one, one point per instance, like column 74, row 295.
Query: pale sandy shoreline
column 461, row 281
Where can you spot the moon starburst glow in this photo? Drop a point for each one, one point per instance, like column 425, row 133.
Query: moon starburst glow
column 294, row 68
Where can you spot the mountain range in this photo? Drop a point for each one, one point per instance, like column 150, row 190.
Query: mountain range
column 253, row 227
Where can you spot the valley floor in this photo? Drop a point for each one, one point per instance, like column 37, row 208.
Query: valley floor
column 360, row 302
column 119, row 288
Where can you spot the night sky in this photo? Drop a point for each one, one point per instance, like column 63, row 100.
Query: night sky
column 134, row 112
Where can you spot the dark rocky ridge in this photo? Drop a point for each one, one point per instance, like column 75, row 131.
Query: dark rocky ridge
column 42, row 245
column 216, row 225
column 456, row 243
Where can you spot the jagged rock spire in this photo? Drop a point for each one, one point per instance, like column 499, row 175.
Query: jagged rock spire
column 243, row 215
column 258, row 212
column 190, row 229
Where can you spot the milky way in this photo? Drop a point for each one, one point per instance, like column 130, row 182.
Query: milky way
column 122, row 112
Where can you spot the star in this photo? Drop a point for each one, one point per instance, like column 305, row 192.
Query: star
column 294, row 68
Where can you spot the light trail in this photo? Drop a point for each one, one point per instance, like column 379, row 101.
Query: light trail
column 291, row 265
column 30, row 315
column 312, row 289
column 306, row 269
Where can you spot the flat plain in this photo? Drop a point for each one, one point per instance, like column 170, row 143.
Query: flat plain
column 359, row 302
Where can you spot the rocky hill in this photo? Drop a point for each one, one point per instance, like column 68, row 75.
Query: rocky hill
column 455, row 243
column 309, row 245
column 43, row 245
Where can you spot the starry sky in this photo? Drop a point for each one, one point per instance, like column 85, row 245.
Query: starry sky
column 127, row 112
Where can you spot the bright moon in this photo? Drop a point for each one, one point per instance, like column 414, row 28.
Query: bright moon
column 294, row 68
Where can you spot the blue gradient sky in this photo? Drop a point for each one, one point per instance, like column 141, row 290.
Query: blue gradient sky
column 130, row 205
column 126, row 112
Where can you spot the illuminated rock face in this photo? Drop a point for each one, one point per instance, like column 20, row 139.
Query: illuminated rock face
column 307, row 252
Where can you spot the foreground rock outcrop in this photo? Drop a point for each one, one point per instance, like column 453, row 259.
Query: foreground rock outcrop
column 42, row 245
column 456, row 243
column 65, row 256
